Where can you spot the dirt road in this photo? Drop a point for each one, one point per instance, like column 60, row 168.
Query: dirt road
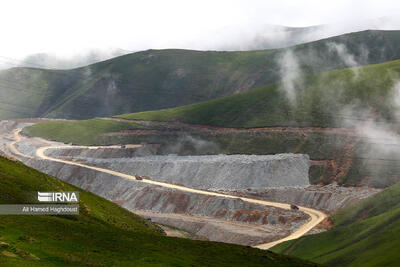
column 315, row 216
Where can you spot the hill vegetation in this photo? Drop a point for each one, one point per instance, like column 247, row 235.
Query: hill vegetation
column 103, row 234
column 83, row 132
column 321, row 101
column 365, row 234
column 157, row 79
column 329, row 99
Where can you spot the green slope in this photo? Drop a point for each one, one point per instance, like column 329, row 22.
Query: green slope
column 322, row 100
column 157, row 79
column 102, row 235
column 83, row 132
column 365, row 234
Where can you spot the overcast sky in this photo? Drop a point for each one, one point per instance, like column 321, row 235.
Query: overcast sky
column 70, row 27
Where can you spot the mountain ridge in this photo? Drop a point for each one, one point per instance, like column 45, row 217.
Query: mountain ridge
column 157, row 79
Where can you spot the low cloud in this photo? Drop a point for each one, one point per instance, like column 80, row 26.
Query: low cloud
column 187, row 144
column 53, row 61
column 290, row 72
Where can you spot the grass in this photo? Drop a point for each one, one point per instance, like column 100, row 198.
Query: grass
column 321, row 101
column 365, row 234
column 85, row 132
column 104, row 234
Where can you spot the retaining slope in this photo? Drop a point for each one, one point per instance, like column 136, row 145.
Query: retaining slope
column 214, row 172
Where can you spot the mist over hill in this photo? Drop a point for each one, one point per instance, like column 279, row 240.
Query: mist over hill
column 157, row 79
column 259, row 37
column 54, row 61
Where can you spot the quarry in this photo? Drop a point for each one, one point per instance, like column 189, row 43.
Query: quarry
column 281, row 178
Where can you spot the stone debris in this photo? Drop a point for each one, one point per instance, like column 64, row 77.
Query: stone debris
column 212, row 172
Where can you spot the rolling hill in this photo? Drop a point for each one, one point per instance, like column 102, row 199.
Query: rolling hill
column 364, row 234
column 324, row 100
column 157, row 79
column 103, row 234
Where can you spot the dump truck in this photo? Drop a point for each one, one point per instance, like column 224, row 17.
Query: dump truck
column 294, row 207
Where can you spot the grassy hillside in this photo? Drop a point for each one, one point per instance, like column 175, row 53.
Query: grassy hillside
column 157, row 79
column 84, row 132
column 365, row 234
column 102, row 235
column 321, row 100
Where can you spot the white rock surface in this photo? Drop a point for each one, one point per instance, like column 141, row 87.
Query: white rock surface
column 216, row 172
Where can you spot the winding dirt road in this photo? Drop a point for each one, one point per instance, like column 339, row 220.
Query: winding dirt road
column 315, row 216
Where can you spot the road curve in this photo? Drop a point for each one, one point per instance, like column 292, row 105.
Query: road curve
column 315, row 216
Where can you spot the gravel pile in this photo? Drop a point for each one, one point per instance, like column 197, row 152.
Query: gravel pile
column 216, row 172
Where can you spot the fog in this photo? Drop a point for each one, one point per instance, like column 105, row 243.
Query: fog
column 55, row 61
column 377, row 134
column 66, row 34
column 291, row 76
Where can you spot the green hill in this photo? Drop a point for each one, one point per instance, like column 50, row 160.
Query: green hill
column 322, row 100
column 365, row 234
column 104, row 234
column 157, row 79
column 81, row 132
